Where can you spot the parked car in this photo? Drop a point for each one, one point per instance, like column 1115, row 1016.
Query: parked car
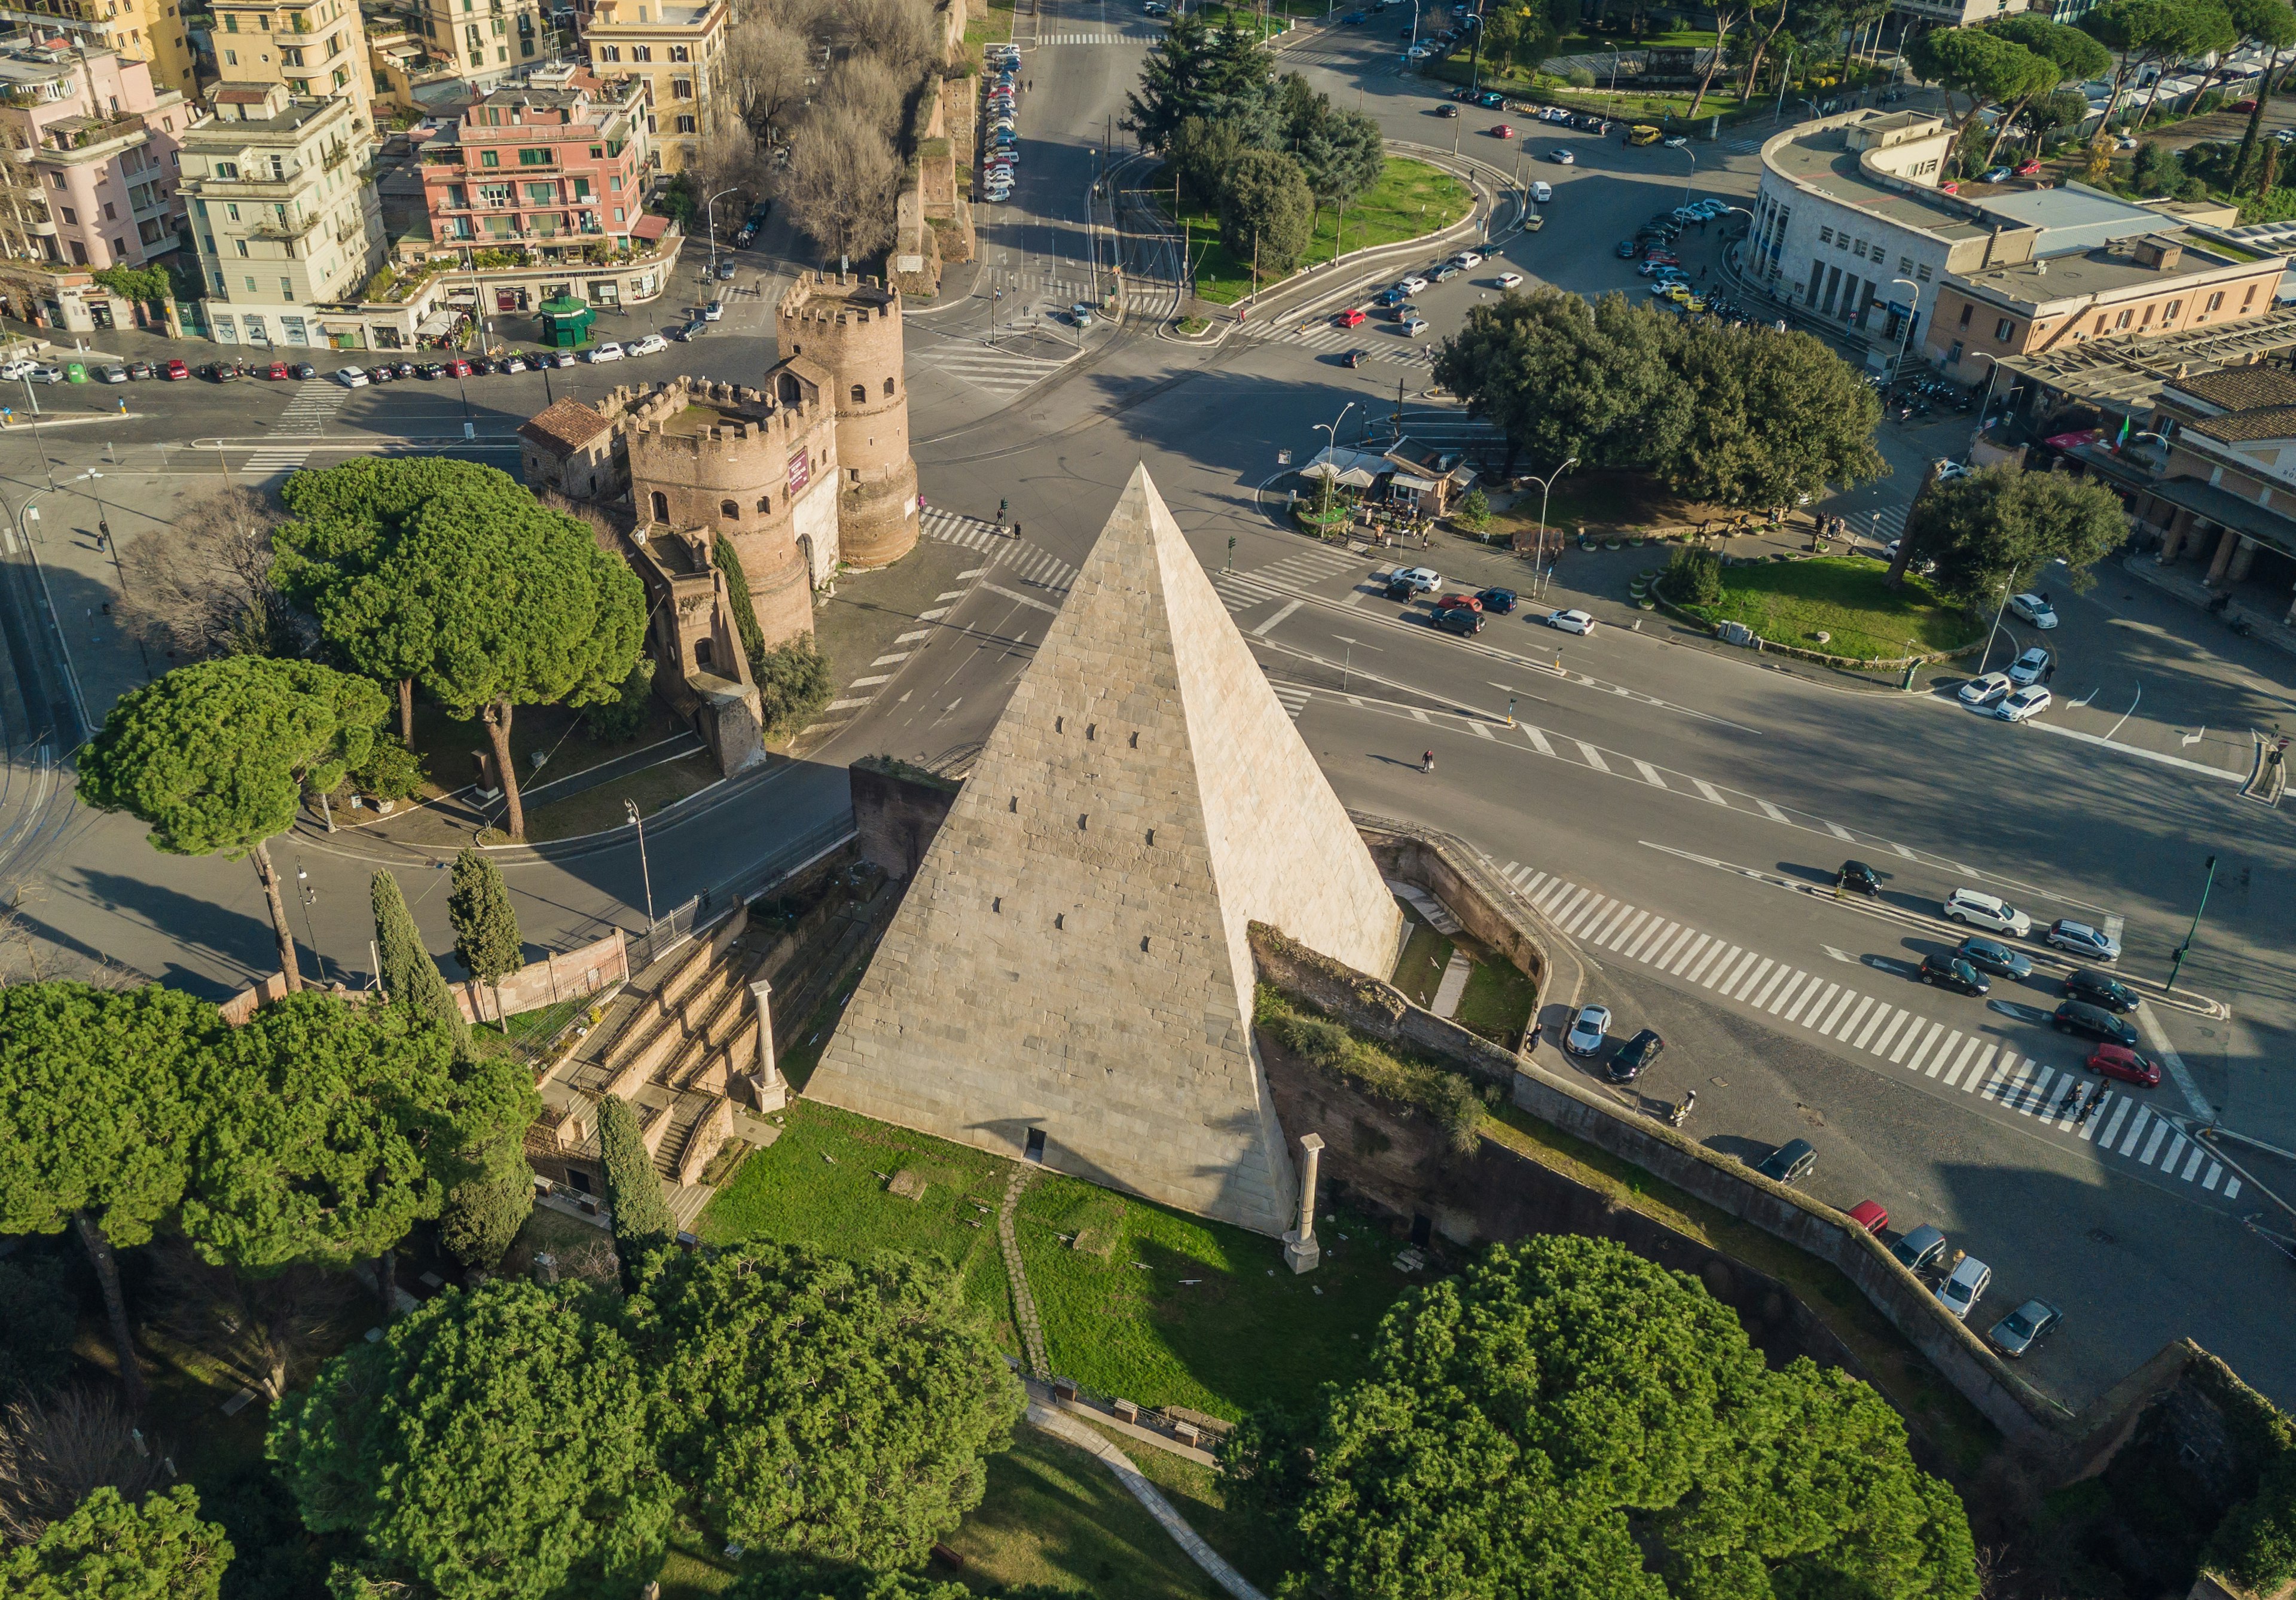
column 1997, row 175
column 2033, row 608
column 2107, row 993
column 1499, row 602
column 2030, row 668
column 602, row 354
column 725, row 272
column 1983, row 693
column 2081, row 940
column 1398, row 590
column 1459, row 603
column 1424, row 580
column 405, row 369
column 1987, row 911
column 1790, row 1162
column 564, row 358
column 432, row 371
column 1571, row 621
column 1413, row 326
column 1991, row 956
column 113, row 373
column 142, row 369
column 176, row 371
column 1509, row 280
column 1869, row 1215
column 1466, row 623
column 1920, row 1249
column 456, row 367
column 1352, row 317
column 2127, row 1066
column 217, row 372
column 1674, row 141
column 1411, row 285
column 652, row 344
column 1964, row 1286
column 2024, row 1328
column 1446, row 272
column 1626, row 250
column 18, row 370
column 1588, row 1030
column 2093, row 1021
column 1467, row 259
column 1446, row 111
column 1637, row 1056
column 2024, row 704
column 1951, row 971
column 1542, row 193
column 515, row 362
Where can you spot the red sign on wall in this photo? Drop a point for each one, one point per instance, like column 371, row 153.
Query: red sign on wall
column 800, row 472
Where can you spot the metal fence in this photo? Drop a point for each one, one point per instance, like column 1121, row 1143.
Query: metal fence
column 681, row 922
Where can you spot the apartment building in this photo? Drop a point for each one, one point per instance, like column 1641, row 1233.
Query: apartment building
column 90, row 174
column 315, row 51
column 485, row 41
column 286, row 226
column 145, row 31
column 552, row 167
column 678, row 52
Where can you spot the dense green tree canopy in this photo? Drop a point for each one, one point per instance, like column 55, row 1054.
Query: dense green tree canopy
column 452, row 576
column 806, row 1581
column 494, row 1444
column 817, row 1407
column 2142, row 33
column 643, row 1224
column 1341, row 154
column 328, row 1131
column 96, row 1121
column 1191, row 73
column 1568, row 1421
column 1744, row 416
column 2078, row 56
column 486, row 927
column 110, row 1550
column 1266, row 211
column 1995, row 530
column 216, row 755
column 1989, row 67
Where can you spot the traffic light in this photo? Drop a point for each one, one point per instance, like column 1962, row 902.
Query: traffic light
column 1002, row 506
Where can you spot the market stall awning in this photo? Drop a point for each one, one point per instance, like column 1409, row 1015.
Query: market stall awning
column 438, row 324
column 1412, row 481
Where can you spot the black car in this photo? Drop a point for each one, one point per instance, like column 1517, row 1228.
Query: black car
column 1399, row 588
column 2093, row 1021
column 1446, row 110
column 2098, row 990
column 1991, row 956
column 481, row 367
column 1499, row 602
column 1356, row 357
column 382, row 372
column 1790, row 1162
column 1950, row 972
column 1858, row 878
column 1635, row 1056
column 301, row 369
column 219, row 372
column 431, row 369
column 139, row 369
column 1460, row 619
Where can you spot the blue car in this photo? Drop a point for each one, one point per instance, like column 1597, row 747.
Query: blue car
column 1352, row 17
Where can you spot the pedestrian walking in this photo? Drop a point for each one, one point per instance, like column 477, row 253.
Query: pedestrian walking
column 1427, row 761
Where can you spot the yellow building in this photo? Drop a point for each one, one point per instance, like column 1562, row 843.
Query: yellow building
column 678, row 52
column 147, row 30
column 317, row 51
column 485, row 40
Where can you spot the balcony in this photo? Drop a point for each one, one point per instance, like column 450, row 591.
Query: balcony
column 277, row 230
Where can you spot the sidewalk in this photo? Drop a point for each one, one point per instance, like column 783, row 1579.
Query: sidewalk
column 2269, row 630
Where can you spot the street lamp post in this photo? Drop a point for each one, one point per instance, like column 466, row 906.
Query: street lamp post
column 1546, row 485
column 1907, row 338
column 1693, row 173
column 710, row 215
column 646, row 874
column 1330, row 466
column 2006, row 584
column 2176, row 963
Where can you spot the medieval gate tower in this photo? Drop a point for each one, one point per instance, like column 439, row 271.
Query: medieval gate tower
column 851, row 326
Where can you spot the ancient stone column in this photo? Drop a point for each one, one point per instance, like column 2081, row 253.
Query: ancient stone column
column 1302, row 1253
column 766, row 1081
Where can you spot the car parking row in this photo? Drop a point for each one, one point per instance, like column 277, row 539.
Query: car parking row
column 1000, row 133
column 1464, row 613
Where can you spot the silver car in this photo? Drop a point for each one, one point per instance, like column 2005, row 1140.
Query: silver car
column 1588, row 1030
column 2024, row 1328
column 2084, row 941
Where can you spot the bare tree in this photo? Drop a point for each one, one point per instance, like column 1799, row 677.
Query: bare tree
column 840, row 182
column 201, row 587
column 59, row 1448
column 869, row 88
column 731, row 159
column 903, row 34
column 768, row 68
column 269, row 1332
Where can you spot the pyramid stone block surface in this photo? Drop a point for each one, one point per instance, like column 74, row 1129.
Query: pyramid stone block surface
column 1071, row 957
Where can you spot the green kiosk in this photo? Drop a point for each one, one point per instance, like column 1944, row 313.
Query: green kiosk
column 565, row 323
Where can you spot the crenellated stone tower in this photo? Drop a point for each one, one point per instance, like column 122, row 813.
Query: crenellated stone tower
column 850, row 326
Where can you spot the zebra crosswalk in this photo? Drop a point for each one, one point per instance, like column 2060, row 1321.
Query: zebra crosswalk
column 277, row 458
column 1240, row 591
column 1088, row 38
column 985, row 367
column 1382, row 345
column 2064, row 1102
column 1292, row 698
column 300, row 423
column 1024, row 559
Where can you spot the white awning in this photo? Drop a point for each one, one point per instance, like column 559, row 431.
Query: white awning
column 438, row 324
column 1409, row 481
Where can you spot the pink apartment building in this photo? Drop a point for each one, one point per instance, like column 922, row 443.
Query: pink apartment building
column 88, row 157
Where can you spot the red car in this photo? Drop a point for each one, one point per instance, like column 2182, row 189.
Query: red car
column 1352, row 317
column 2028, row 168
column 176, row 370
column 1457, row 603
column 1869, row 1215
column 1504, row 130
column 2129, row 1066
column 458, row 368
column 2242, row 105
column 277, row 372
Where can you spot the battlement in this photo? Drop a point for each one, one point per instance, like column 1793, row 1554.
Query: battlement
column 839, row 298
column 702, row 416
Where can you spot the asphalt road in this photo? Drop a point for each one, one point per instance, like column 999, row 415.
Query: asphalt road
column 1662, row 798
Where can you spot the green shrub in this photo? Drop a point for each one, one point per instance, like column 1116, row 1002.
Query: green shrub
column 2256, row 1545
column 620, row 719
column 1474, row 512
column 794, row 682
column 1448, row 1098
column 1580, row 78
column 1693, row 577
column 392, row 771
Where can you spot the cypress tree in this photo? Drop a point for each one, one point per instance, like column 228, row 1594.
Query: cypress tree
column 409, row 976
column 640, row 1216
column 484, row 1214
column 486, row 928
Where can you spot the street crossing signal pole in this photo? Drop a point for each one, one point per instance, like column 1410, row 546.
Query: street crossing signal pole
column 2176, row 961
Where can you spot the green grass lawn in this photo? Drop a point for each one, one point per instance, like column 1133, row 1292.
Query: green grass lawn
column 1200, row 1494
column 1425, row 953
column 1790, row 603
column 1411, row 199
column 1054, row 1515
column 818, row 1185
column 1498, row 1002
column 1130, row 1325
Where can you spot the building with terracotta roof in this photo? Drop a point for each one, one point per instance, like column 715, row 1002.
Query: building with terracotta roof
column 550, row 168
column 2223, row 493
column 568, row 447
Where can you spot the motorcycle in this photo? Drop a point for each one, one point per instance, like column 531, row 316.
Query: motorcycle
column 1680, row 1114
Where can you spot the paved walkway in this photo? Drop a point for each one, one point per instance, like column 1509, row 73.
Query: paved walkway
column 2269, row 629
column 1044, row 1414
column 1024, row 1303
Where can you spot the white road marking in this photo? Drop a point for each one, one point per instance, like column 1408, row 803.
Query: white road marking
column 1709, row 792
column 1288, row 607
column 1594, row 756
